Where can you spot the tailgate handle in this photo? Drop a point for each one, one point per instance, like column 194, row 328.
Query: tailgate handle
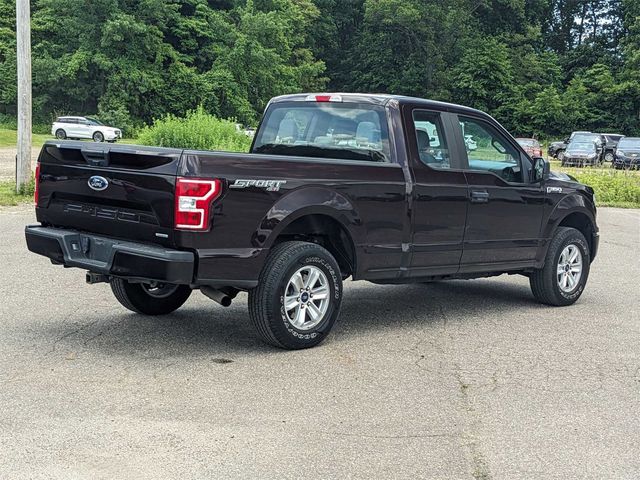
column 96, row 158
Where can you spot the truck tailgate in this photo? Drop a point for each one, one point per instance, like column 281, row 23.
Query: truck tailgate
column 124, row 191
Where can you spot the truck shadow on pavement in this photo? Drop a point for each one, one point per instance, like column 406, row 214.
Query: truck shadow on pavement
column 213, row 330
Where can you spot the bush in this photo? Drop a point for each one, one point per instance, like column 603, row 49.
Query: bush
column 197, row 131
column 11, row 123
column 117, row 116
column 615, row 188
column 8, row 122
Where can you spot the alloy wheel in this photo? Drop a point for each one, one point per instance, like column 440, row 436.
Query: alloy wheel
column 306, row 298
column 569, row 269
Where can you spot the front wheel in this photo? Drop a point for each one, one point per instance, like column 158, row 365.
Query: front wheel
column 150, row 298
column 298, row 296
column 566, row 269
column 608, row 157
column 98, row 137
column 61, row 134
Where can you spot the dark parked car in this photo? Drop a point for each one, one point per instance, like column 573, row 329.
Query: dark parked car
column 531, row 146
column 581, row 138
column 611, row 145
column 373, row 187
column 581, row 154
column 627, row 154
column 556, row 149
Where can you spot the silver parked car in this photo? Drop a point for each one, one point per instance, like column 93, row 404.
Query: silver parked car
column 84, row 127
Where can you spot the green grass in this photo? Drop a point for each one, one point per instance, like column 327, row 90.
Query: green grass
column 614, row 188
column 9, row 196
column 9, row 138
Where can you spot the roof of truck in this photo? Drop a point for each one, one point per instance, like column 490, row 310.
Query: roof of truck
column 376, row 99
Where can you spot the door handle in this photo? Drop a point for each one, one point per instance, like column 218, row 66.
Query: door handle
column 479, row 196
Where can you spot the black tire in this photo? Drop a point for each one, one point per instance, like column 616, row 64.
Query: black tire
column 545, row 283
column 267, row 300
column 61, row 134
column 609, row 157
column 98, row 137
column 140, row 298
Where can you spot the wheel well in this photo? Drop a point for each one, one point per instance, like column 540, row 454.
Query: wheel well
column 580, row 222
column 328, row 232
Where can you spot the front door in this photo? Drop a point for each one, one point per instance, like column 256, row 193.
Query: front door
column 439, row 198
column 505, row 206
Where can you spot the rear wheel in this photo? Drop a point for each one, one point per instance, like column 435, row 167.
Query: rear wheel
column 608, row 157
column 61, row 134
column 150, row 298
column 298, row 296
column 98, row 137
column 566, row 269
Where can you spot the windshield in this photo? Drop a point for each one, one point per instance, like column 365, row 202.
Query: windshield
column 348, row 131
column 582, row 147
column 93, row 121
column 631, row 143
column 585, row 137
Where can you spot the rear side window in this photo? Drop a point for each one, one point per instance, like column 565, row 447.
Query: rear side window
column 347, row 131
column 431, row 142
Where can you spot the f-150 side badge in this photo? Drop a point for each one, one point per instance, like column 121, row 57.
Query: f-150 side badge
column 554, row 189
column 268, row 185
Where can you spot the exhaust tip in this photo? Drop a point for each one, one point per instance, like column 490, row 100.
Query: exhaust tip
column 217, row 296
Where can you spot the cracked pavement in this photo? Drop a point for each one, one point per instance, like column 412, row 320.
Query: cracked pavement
column 458, row 380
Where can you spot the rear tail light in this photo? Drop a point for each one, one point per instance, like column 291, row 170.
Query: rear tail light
column 193, row 203
column 36, row 188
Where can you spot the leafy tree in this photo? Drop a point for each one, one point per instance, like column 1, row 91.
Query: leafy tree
column 8, row 66
column 484, row 76
column 540, row 67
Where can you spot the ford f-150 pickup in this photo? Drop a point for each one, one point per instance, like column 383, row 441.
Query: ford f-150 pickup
column 372, row 187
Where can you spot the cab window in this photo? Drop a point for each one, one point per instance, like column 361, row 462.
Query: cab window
column 338, row 131
column 430, row 139
column 488, row 150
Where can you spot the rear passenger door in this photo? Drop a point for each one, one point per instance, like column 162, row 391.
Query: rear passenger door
column 439, row 198
column 505, row 206
column 71, row 127
column 84, row 128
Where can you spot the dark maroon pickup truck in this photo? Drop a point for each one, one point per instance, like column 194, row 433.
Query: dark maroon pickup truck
column 374, row 187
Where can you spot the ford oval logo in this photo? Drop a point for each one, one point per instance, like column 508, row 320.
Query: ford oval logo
column 98, row 183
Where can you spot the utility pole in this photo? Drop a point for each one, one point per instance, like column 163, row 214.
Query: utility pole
column 23, row 37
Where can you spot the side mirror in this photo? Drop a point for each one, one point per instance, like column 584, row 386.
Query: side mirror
column 541, row 169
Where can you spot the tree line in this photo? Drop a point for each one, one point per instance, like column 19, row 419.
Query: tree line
column 541, row 67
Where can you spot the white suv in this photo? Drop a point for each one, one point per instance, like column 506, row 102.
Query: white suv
column 84, row 127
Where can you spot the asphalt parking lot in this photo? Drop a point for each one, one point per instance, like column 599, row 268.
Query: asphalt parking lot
column 461, row 380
